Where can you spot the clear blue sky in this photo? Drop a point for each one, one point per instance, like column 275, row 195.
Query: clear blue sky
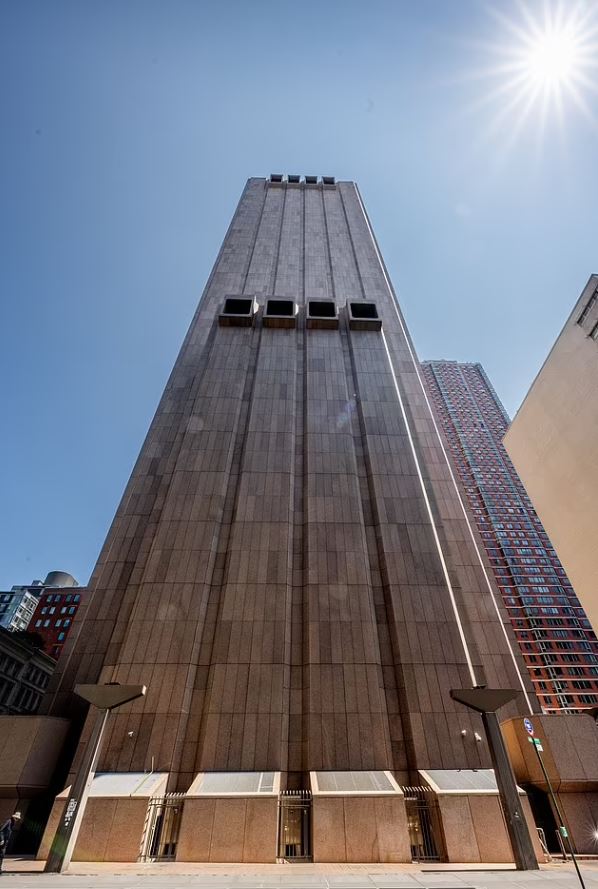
column 128, row 131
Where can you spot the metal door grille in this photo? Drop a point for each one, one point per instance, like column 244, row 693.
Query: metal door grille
column 162, row 825
column 423, row 821
column 294, row 825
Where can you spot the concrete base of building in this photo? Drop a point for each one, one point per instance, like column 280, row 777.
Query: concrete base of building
column 360, row 828
column 474, row 829
column 222, row 829
column 111, row 829
column 468, row 828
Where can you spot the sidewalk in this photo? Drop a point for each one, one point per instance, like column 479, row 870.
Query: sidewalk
column 27, row 874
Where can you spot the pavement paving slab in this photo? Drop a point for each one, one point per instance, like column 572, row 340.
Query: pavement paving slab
column 28, row 874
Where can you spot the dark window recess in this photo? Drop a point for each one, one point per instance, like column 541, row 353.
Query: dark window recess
column 237, row 312
column 275, row 177
column 233, row 306
column 594, row 332
column 328, row 180
column 364, row 310
column 311, row 180
column 364, row 316
column 280, row 313
column 321, row 313
column 293, row 179
column 322, row 308
column 284, row 307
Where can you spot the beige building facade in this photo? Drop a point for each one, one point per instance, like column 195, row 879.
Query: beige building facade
column 553, row 442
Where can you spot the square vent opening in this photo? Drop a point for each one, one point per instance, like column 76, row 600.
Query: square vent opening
column 280, row 313
column 364, row 316
column 237, row 306
column 328, row 180
column 364, row 310
column 284, row 307
column 311, row 180
column 238, row 311
column 322, row 313
column 293, row 179
column 322, row 308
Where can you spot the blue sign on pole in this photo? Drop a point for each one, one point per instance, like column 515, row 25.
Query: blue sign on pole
column 529, row 726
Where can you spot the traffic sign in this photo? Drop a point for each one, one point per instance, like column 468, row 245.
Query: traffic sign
column 528, row 725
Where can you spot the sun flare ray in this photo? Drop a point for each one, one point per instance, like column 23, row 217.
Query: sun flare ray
column 543, row 67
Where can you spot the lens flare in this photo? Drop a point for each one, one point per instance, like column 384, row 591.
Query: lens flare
column 540, row 66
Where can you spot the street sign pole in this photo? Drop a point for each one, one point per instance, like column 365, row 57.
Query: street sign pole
column 562, row 828
column 105, row 698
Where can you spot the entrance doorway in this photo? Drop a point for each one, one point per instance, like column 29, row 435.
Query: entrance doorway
column 423, row 822
column 544, row 817
column 294, row 825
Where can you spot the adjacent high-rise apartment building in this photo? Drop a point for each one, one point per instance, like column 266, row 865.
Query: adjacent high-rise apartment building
column 556, row 640
column 553, row 442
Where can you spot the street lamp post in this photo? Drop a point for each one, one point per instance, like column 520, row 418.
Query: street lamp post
column 487, row 701
column 105, row 698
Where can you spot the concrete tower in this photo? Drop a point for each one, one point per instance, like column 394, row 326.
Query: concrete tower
column 292, row 571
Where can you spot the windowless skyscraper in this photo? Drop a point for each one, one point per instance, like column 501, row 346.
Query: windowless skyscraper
column 292, row 571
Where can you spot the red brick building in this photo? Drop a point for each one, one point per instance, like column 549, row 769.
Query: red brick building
column 54, row 617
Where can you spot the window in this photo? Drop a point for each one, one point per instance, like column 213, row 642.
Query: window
column 589, row 306
column 76, row 598
column 67, row 622
column 58, row 622
column 61, row 637
column 594, row 332
column 72, row 609
column 38, row 623
column 46, row 623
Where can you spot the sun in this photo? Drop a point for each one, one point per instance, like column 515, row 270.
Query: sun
column 542, row 64
column 554, row 57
